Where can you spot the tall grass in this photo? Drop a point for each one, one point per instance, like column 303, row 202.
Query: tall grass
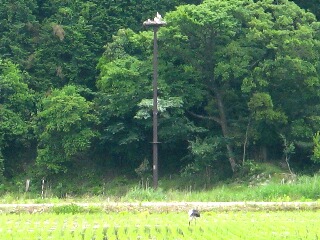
column 305, row 188
column 142, row 194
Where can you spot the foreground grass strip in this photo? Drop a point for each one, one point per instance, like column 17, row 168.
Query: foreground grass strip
column 127, row 225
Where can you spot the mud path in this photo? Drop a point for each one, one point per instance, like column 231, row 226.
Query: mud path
column 166, row 206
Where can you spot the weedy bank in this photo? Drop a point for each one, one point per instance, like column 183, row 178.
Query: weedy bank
column 276, row 187
column 165, row 225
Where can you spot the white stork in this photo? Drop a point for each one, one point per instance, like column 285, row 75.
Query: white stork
column 193, row 215
column 158, row 18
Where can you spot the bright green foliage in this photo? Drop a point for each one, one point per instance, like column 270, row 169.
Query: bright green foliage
column 1, row 168
column 163, row 106
column 15, row 94
column 65, row 128
column 124, row 77
column 284, row 66
column 238, row 67
column 16, row 109
column 256, row 63
column 195, row 42
column 206, row 153
column 316, row 148
column 123, row 82
column 126, row 104
column 262, row 107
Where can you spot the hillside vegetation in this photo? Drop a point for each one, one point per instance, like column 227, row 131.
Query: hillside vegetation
column 238, row 88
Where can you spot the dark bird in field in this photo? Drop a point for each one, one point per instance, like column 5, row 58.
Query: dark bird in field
column 193, row 215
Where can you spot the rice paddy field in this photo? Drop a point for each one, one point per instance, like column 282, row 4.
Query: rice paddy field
column 166, row 225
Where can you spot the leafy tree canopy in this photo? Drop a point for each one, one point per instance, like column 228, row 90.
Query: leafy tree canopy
column 236, row 64
column 65, row 128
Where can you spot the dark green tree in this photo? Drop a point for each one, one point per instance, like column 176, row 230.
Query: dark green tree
column 310, row 5
column 256, row 61
column 72, row 35
column 229, row 63
column 19, row 30
column 285, row 76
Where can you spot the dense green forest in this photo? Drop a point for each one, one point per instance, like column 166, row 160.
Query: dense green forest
column 238, row 83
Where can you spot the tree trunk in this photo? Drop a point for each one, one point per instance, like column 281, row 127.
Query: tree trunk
column 225, row 129
column 264, row 153
column 222, row 121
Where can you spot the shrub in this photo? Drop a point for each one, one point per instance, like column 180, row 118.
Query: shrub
column 68, row 209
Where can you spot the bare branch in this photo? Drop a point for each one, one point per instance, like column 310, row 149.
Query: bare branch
column 211, row 118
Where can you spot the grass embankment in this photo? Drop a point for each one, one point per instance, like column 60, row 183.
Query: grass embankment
column 302, row 189
column 259, row 189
